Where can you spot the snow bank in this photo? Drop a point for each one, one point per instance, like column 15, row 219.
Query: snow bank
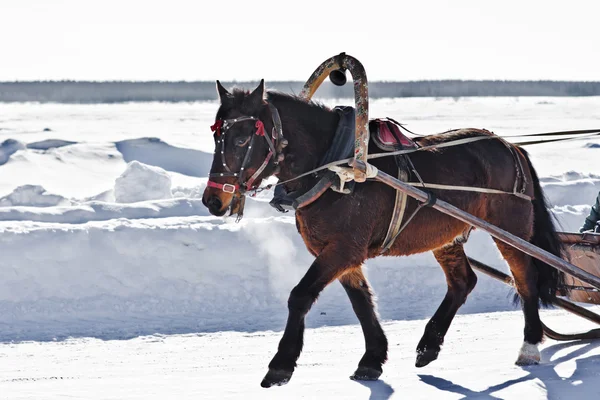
column 49, row 144
column 33, row 196
column 103, row 211
column 570, row 196
column 572, row 188
column 153, row 151
column 186, row 202
column 140, row 182
column 75, row 171
column 82, row 170
column 122, row 278
column 11, row 146
column 8, row 148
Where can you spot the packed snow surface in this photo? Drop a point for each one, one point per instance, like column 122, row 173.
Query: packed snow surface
column 476, row 362
column 117, row 283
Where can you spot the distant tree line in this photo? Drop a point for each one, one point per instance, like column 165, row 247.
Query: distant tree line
column 124, row 91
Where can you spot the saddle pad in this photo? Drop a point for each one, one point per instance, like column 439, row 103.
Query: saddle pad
column 389, row 137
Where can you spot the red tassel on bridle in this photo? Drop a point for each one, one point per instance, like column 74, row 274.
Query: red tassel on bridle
column 260, row 128
column 217, row 127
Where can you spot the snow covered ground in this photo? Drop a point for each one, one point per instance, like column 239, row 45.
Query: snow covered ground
column 93, row 259
column 477, row 362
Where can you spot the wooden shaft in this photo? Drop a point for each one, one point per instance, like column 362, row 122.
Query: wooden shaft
column 491, row 272
column 552, row 334
column 496, row 232
column 562, row 303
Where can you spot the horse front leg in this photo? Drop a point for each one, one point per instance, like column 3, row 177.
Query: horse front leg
column 359, row 292
column 330, row 264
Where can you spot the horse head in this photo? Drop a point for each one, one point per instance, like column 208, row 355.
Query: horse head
column 245, row 138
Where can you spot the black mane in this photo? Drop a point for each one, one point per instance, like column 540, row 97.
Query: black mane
column 309, row 126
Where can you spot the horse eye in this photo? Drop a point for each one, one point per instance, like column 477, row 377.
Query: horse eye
column 242, row 141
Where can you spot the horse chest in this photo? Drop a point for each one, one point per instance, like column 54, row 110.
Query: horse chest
column 311, row 234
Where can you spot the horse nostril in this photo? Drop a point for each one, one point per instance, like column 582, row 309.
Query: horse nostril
column 214, row 203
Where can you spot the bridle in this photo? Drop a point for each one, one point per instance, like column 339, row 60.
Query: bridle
column 220, row 127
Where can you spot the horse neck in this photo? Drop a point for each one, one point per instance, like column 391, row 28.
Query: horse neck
column 309, row 129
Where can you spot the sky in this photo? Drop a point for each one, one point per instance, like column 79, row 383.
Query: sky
column 191, row 40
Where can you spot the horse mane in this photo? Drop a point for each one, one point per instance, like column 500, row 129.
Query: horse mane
column 285, row 100
column 308, row 125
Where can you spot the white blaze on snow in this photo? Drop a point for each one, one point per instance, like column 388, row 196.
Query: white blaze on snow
column 141, row 182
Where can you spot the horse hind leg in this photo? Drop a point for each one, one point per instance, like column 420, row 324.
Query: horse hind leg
column 461, row 280
column 376, row 345
column 525, row 277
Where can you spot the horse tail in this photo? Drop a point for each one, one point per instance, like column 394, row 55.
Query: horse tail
column 550, row 280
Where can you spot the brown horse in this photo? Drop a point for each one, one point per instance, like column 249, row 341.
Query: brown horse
column 344, row 230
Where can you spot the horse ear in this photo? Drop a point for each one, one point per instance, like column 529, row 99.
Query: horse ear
column 224, row 95
column 255, row 99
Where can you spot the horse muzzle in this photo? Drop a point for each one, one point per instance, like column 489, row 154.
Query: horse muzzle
column 214, row 205
column 217, row 201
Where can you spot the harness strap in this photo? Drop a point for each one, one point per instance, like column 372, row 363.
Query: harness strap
column 468, row 189
column 226, row 187
column 259, row 171
column 519, row 170
column 419, row 207
column 276, row 122
column 245, row 162
column 397, row 214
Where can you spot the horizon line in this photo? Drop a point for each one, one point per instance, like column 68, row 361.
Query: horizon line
column 295, row 81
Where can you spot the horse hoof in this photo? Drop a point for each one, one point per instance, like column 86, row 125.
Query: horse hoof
column 366, row 374
column 276, row 378
column 425, row 357
column 528, row 355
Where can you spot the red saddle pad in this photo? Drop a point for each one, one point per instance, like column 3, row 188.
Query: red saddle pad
column 389, row 134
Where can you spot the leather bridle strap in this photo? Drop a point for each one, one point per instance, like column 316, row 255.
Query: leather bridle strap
column 265, row 163
column 226, row 187
column 221, row 127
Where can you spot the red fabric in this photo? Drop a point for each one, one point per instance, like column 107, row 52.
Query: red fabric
column 217, row 127
column 260, row 128
column 387, row 137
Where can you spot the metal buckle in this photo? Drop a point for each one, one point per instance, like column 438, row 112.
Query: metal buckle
column 227, row 185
